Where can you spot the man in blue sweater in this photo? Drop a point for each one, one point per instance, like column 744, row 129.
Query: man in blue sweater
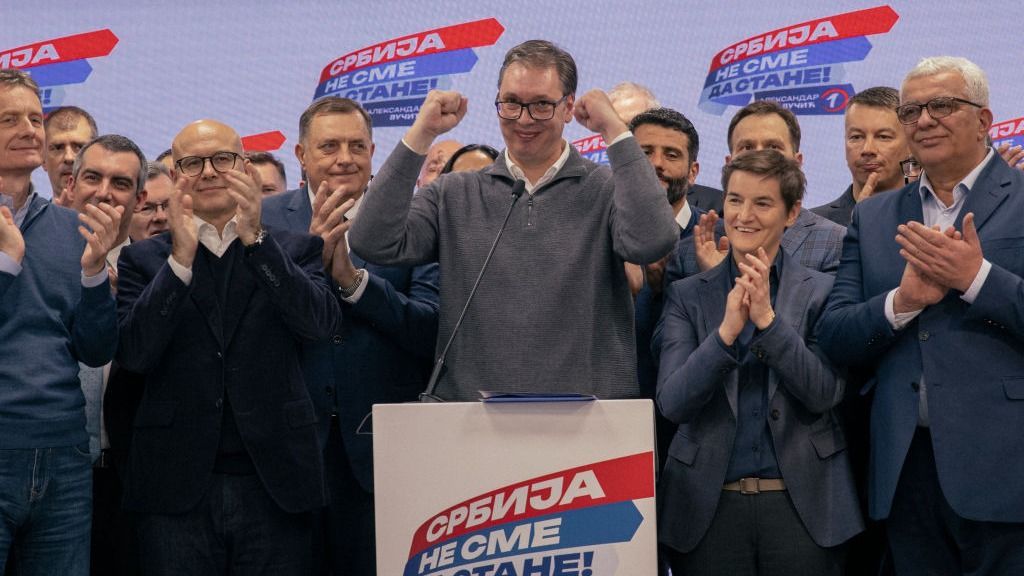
column 56, row 309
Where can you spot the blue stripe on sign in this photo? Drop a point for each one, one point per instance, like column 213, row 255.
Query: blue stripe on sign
column 593, row 526
column 442, row 64
column 61, row 73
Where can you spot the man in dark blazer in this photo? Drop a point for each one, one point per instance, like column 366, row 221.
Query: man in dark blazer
column 875, row 146
column 814, row 241
column 928, row 296
column 757, row 480
column 382, row 351
column 225, row 466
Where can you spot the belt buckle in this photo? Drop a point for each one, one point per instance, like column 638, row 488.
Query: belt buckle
column 749, row 486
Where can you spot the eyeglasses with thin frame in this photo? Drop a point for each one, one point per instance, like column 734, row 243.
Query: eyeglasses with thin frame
column 539, row 110
column 151, row 209
column 937, row 108
column 911, row 169
column 221, row 162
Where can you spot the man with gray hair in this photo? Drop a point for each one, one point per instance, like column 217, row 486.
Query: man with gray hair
column 556, row 285
column 56, row 309
column 68, row 130
column 938, row 317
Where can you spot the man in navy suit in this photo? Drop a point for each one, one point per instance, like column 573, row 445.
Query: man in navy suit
column 928, row 296
column 757, row 479
column 814, row 241
column 381, row 352
column 225, row 466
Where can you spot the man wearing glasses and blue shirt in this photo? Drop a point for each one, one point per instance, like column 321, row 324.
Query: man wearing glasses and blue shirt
column 928, row 297
column 224, row 467
column 553, row 311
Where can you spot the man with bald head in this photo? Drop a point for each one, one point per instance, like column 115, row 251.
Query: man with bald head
column 437, row 157
column 225, row 466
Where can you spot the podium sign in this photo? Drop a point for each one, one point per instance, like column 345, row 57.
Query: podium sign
column 515, row 489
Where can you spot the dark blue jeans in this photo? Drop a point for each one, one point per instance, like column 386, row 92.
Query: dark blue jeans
column 46, row 509
column 235, row 529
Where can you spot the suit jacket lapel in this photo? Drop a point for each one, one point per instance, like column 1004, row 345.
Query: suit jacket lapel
column 796, row 235
column 910, row 205
column 990, row 190
column 204, row 294
column 712, row 302
column 790, row 299
column 300, row 211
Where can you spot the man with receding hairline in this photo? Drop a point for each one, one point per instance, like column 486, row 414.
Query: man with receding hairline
column 68, row 130
column 224, row 467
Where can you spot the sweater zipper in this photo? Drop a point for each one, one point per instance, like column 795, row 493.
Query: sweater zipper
column 529, row 210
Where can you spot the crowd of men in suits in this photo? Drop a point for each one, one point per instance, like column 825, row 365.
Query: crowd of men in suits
column 813, row 369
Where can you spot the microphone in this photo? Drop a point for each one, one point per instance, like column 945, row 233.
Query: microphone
column 428, row 395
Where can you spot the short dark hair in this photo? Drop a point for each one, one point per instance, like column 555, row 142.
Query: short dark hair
column 12, row 77
column 761, row 108
column 669, row 118
column 770, row 164
column 332, row 105
column 877, row 97
column 165, row 154
column 260, row 157
column 67, row 117
column 114, row 143
column 542, row 54
column 155, row 169
column 450, row 164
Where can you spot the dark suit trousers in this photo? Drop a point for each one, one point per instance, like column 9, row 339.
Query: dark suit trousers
column 235, row 529
column 756, row 535
column 928, row 538
column 344, row 539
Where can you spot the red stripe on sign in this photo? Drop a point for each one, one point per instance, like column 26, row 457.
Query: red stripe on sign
column 589, row 144
column 596, row 484
column 876, row 20
column 1007, row 128
column 76, row 47
column 263, row 142
column 467, row 35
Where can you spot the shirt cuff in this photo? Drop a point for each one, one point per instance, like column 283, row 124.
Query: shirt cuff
column 620, row 138
column 979, row 281
column 897, row 321
column 96, row 280
column 9, row 265
column 184, row 274
column 364, row 279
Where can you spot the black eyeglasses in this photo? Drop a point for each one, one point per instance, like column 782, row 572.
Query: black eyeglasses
column 937, row 108
column 221, row 162
column 150, row 209
column 539, row 110
column 911, row 168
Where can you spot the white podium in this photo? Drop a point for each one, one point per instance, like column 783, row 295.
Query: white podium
column 515, row 489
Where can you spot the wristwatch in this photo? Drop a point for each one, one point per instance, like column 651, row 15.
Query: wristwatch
column 261, row 235
column 348, row 291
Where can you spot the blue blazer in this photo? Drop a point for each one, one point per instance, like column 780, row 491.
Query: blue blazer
column 194, row 350
column 971, row 356
column 698, row 383
column 382, row 351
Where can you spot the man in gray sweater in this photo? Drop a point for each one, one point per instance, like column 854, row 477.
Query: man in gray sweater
column 553, row 311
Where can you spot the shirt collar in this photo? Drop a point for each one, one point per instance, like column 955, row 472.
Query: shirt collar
column 216, row 243
column 518, row 173
column 21, row 213
column 962, row 187
column 684, row 215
